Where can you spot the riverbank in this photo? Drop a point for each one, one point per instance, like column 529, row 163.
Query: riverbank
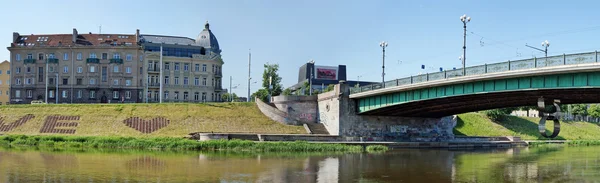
column 138, row 120
column 477, row 124
column 170, row 143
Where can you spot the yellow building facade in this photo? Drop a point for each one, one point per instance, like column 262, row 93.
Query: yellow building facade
column 4, row 82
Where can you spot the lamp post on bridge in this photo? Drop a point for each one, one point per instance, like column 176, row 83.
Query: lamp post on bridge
column 312, row 68
column 464, row 19
column 545, row 44
column 383, row 44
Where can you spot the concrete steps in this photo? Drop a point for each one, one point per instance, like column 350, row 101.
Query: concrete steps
column 318, row 129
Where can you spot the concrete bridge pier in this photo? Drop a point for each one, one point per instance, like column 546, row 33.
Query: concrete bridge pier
column 338, row 113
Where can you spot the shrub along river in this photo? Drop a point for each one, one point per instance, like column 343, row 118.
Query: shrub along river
column 534, row 164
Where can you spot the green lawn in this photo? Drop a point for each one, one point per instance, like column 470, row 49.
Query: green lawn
column 477, row 124
column 108, row 119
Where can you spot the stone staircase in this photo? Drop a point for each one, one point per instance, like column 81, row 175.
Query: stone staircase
column 318, row 128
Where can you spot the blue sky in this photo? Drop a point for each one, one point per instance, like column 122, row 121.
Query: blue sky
column 330, row 32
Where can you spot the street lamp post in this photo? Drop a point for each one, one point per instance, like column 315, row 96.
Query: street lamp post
column 312, row 70
column 46, row 95
column 56, row 90
column 383, row 44
column 465, row 20
column 545, row 44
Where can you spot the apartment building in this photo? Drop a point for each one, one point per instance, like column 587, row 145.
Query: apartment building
column 191, row 68
column 75, row 68
column 4, row 82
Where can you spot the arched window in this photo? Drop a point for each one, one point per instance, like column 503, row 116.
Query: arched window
column 202, row 51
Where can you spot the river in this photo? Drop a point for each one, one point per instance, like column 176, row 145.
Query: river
column 549, row 164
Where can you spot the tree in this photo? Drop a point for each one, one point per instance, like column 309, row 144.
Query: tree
column 329, row 88
column 271, row 74
column 499, row 115
column 594, row 110
column 226, row 97
column 306, row 88
column 262, row 94
column 579, row 109
column 287, row 92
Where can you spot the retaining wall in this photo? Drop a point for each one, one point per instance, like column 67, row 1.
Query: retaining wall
column 300, row 108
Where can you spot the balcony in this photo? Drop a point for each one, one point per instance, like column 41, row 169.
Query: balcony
column 52, row 60
column 154, row 85
column 153, row 69
column 116, row 61
column 218, row 74
column 29, row 61
column 218, row 88
column 92, row 60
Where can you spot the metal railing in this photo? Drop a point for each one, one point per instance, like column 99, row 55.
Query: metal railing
column 564, row 59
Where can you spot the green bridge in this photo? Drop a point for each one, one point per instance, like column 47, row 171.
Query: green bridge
column 573, row 78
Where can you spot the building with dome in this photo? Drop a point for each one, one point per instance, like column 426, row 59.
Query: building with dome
column 114, row 68
column 191, row 68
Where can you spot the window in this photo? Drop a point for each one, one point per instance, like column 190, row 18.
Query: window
column 115, row 94
column 79, row 56
column 197, row 81
column 18, row 93
column 176, row 97
column 18, row 70
column 166, row 80
column 203, row 81
column 66, row 56
column 18, row 57
column 79, row 69
column 66, row 69
column 93, row 55
column 185, row 95
column 116, row 56
column 29, row 69
column 185, row 80
column 128, row 70
column 29, row 56
column 92, row 68
column 127, row 94
column 115, row 68
column 203, row 67
column 213, row 68
column 50, row 69
column 79, row 81
column 51, row 94
column 92, row 94
column 128, row 82
column 8, row 72
column 79, row 93
column 41, row 56
column 128, row 57
column 141, row 59
column 29, row 93
column 28, row 81
column 51, row 55
column 0, row 84
column 176, row 80
column 115, row 82
column 65, row 81
column 176, row 66
column 64, row 94
column 166, row 94
column 104, row 56
column 92, row 81
column 166, row 67
column 197, row 67
column 18, row 81
column 203, row 96
column 51, row 80
column 196, row 96
column 186, row 67
column 104, row 74
column 141, row 70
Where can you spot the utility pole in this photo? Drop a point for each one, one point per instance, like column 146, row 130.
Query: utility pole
column 161, row 75
column 465, row 20
column 46, row 95
column 230, row 80
column 312, row 71
column 545, row 44
column 56, row 91
column 249, row 78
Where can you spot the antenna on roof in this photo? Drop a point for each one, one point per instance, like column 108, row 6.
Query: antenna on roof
column 100, row 30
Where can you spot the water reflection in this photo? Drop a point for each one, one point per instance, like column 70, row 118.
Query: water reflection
column 413, row 165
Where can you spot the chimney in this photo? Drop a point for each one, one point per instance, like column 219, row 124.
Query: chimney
column 74, row 38
column 15, row 37
column 137, row 35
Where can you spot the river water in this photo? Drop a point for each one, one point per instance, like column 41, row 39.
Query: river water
column 548, row 164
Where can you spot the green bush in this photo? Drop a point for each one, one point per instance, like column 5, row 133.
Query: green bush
column 498, row 115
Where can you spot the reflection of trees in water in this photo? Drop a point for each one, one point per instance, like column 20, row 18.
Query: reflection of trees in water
column 537, row 165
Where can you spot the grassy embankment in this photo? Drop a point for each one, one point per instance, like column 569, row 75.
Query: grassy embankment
column 107, row 120
column 477, row 124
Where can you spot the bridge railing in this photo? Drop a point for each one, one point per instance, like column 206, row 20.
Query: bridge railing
column 564, row 59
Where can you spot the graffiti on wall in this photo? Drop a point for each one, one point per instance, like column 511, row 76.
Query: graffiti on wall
column 306, row 116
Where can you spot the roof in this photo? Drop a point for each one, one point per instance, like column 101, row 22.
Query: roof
column 208, row 40
column 167, row 39
column 81, row 40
